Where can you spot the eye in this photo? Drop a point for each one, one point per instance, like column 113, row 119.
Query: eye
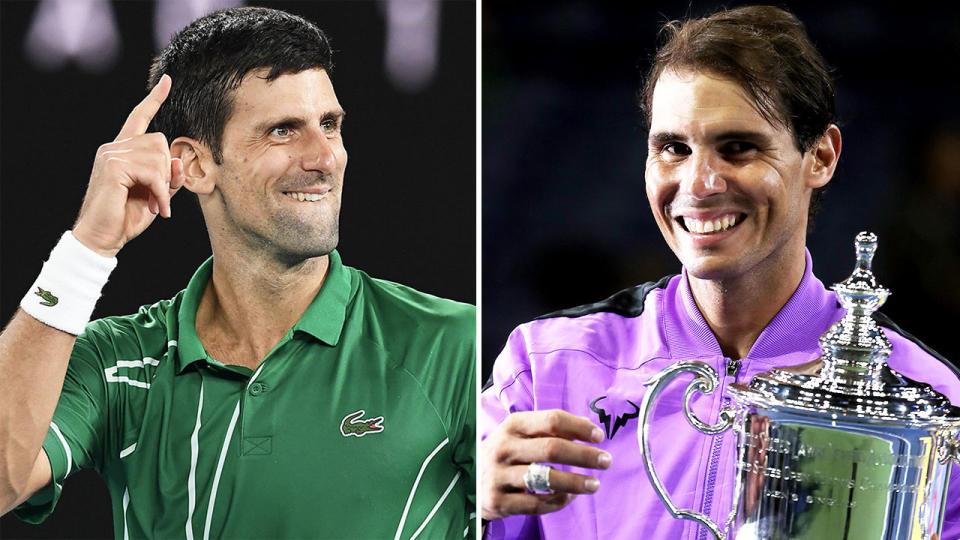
column 281, row 131
column 673, row 151
column 737, row 149
column 330, row 125
column 677, row 149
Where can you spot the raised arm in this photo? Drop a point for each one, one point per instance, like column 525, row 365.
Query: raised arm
column 132, row 181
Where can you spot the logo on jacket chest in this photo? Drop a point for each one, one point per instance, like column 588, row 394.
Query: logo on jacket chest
column 614, row 412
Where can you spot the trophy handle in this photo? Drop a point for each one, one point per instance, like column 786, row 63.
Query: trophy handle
column 706, row 381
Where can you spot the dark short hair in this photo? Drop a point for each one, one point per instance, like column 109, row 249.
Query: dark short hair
column 765, row 50
column 209, row 58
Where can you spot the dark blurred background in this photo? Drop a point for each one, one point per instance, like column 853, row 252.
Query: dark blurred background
column 565, row 215
column 71, row 70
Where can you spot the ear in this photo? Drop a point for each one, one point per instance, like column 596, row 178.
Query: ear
column 197, row 164
column 825, row 156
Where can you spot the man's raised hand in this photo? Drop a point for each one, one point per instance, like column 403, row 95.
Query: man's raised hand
column 537, row 436
column 132, row 181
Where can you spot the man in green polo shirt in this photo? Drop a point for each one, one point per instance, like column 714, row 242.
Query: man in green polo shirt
column 282, row 393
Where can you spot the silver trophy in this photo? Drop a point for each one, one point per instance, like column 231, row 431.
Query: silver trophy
column 841, row 447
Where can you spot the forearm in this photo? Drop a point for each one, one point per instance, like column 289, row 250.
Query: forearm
column 122, row 199
column 33, row 363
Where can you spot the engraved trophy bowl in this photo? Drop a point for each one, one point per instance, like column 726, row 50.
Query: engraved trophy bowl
column 840, row 447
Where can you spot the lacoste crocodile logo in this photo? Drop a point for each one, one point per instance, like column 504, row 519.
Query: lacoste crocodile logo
column 621, row 419
column 49, row 299
column 352, row 425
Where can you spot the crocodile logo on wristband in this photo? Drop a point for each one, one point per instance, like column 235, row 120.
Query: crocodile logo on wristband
column 49, row 299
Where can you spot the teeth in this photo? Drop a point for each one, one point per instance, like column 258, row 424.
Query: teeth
column 710, row 226
column 305, row 197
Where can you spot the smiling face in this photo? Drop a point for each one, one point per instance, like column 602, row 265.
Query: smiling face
column 281, row 179
column 728, row 190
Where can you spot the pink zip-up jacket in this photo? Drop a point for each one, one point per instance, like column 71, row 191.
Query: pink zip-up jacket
column 592, row 361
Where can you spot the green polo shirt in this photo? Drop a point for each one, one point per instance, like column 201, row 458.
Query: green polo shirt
column 358, row 424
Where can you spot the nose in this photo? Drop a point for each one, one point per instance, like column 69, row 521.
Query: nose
column 320, row 152
column 702, row 175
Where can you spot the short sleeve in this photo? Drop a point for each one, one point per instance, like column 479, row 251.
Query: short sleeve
column 446, row 374
column 465, row 451
column 74, row 438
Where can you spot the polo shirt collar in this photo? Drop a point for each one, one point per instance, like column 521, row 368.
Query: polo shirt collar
column 325, row 316
column 323, row 319
column 810, row 303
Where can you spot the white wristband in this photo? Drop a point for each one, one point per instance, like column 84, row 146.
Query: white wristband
column 69, row 285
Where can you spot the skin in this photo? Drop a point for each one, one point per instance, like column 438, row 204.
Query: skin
column 710, row 153
column 131, row 183
column 270, row 251
column 542, row 437
column 740, row 278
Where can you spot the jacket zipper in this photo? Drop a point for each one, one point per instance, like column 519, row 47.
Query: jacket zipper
column 733, row 367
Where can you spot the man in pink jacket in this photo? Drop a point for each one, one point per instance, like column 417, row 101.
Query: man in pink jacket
column 740, row 108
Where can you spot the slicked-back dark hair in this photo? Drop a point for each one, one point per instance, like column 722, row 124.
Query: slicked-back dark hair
column 766, row 51
column 209, row 58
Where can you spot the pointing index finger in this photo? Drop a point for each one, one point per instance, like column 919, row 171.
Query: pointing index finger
column 141, row 115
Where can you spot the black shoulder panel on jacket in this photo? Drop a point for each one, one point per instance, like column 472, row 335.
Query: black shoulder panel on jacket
column 626, row 303
column 883, row 320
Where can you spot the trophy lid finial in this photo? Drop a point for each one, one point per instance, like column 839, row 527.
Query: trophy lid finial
column 855, row 346
column 860, row 292
column 866, row 245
